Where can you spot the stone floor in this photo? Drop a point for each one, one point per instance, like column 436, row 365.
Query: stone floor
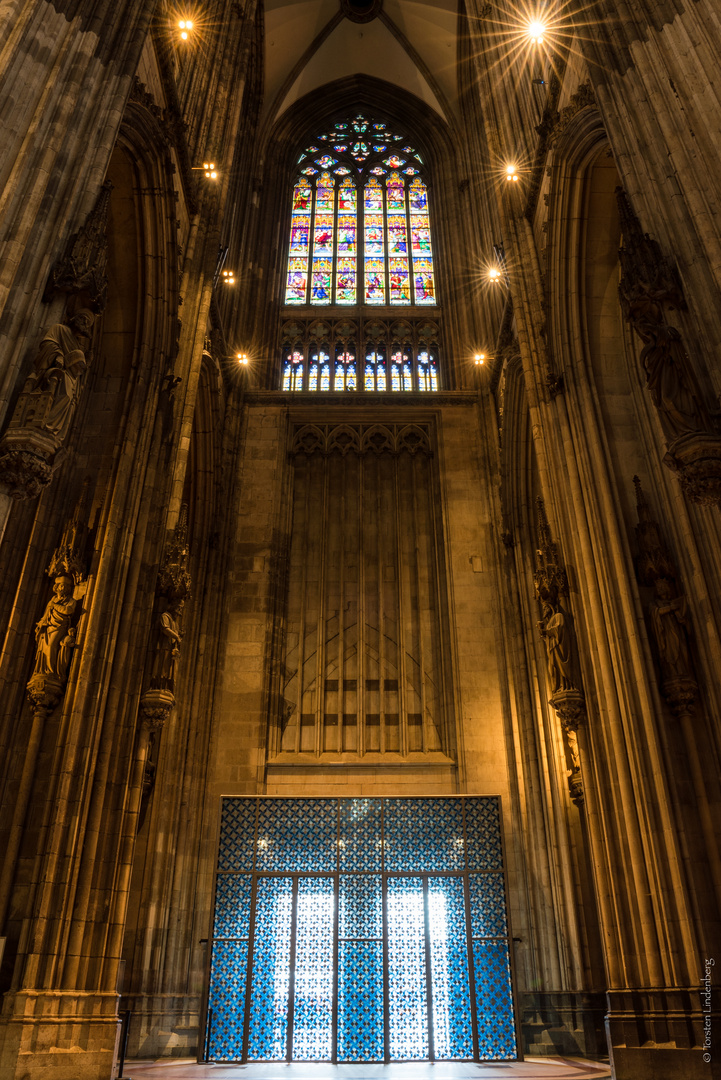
column 536, row 1068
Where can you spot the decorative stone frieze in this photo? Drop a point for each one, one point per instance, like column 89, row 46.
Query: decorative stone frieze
column 556, row 629
column 361, row 439
column 650, row 288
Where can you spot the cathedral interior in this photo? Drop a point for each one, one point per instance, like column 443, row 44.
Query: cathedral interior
column 360, row 473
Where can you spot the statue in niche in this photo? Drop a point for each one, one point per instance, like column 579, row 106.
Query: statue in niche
column 669, row 619
column 167, row 646
column 59, row 366
column 668, row 375
column 557, row 637
column 55, row 634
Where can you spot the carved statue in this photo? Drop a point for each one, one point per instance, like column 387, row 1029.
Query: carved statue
column 167, row 647
column 557, row 637
column 669, row 619
column 668, row 375
column 55, row 633
column 572, row 739
column 59, row 364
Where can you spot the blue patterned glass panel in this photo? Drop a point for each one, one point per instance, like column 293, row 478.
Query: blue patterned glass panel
column 297, row 835
column 232, row 905
column 494, row 1003
column 452, row 1029
column 237, row 828
column 483, row 834
column 423, row 834
column 488, row 905
column 271, row 970
column 407, row 1006
column 360, row 1001
column 360, row 906
column 313, row 991
column 227, row 1000
column 359, row 840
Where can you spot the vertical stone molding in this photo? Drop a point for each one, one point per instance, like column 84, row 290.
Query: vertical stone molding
column 668, row 612
column 650, row 288
column 556, row 629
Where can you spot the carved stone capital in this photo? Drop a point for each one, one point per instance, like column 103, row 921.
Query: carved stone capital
column 44, row 692
column 575, row 786
column 570, row 707
column 155, row 708
column 681, row 694
column 25, row 462
column 696, row 459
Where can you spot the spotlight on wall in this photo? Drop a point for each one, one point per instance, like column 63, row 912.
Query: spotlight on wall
column 480, row 358
column 494, row 274
column 241, row 358
column 536, row 30
column 511, row 172
column 210, row 171
column 185, row 26
column 229, row 277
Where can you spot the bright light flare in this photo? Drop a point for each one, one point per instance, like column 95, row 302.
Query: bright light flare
column 537, row 31
column 185, row 26
column 209, row 169
column 480, row 358
column 494, row 274
column 242, row 358
column 229, row 277
column 511, row 172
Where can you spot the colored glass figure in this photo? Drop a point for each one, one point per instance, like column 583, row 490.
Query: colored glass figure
column 407, row 376
column 427, row 370
column 345, row 282
column 323, row 234
column 424, row 287
column 293, row 372
column 394, row 161
column 374, row 244
column 325, row 377
column 317, row 360
column 375, row 370
column 397, row 233
column 325, row 162
column 297, row 282
column 345, row 370
column 396, row 367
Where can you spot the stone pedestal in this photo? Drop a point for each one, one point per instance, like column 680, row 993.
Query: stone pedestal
column 58, row 1035
column 696, row 459
column 659, row 1035
column 26, row 462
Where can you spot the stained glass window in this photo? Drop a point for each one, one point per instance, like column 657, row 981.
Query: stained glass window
column 360, row 930
column 360, row 197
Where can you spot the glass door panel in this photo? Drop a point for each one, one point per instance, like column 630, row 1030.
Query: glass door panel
column 270, row 984
column 313, row 970
column 407, row 992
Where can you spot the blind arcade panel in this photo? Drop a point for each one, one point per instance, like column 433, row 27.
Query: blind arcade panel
column 360, row 930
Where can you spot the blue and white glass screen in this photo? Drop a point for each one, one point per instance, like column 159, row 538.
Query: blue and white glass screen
column 357, row 930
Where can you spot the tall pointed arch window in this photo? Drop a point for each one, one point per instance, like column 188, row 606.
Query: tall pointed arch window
column 360, row 227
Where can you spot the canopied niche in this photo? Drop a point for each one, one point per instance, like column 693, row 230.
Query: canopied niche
column 364, row 667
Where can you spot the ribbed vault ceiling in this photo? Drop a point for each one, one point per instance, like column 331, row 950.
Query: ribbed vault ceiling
column 309, row 43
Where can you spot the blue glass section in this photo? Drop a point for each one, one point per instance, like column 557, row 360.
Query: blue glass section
column 494, row 1002
column 488, row 905
column 237, row 827
column 313, row 990
column 360, row 1001
column 232, row 905
column 423, row 834
column 407, row 1005
column 452, row 1027
column 359, row 840
column 227, row 1000
column 360, row 906
column 483, row 834
column 297, row 835
column 268, row 1032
